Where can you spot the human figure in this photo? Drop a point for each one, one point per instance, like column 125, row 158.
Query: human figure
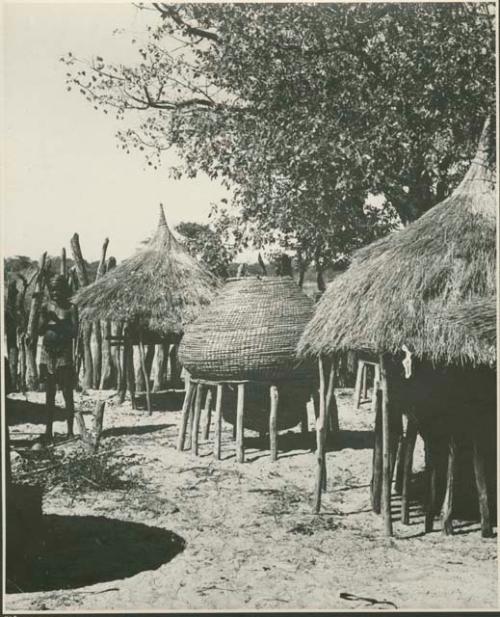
column 58, row 327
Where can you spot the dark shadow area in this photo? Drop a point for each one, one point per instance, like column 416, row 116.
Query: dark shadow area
column 76, row 551
column 161, row 401
column 25, row 412
column 118, row 431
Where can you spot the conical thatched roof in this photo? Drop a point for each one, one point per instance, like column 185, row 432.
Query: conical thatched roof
column 478, row 319
column 161, row 288
column 250, row 331
column 395, row 287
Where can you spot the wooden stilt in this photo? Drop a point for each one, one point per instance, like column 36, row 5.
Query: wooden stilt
column 196, row 419
column 482, row 489
column 386, row 455
column 240, row 409
column 359, row 384
column 130, row 376
column 431, row 485
column 234, row 430
column 320, row 438
column 304, row 422
column 189, row 432
column 208, row 413
column 218, row 423
column 145, row 375
column 410, row 439
column 376, row 386
column 186, row 407
column 364, row 388
column 273, row 422
column 376, row 482
column 447, row 508
column 331, row 409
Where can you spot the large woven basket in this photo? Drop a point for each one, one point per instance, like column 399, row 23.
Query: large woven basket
column 250, row 332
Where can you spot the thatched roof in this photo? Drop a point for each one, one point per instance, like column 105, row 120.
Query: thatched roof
column 477, row 318
column 250, row 331
column 395, row 287
column 162, row 287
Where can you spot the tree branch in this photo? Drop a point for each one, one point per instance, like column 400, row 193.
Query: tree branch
column 168, row 11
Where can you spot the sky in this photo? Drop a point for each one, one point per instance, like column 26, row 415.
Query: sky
column 62, row 170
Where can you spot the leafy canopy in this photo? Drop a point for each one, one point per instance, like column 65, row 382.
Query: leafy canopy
column 303, row 110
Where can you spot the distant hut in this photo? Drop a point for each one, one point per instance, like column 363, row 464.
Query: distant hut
column 155, row 293
column 244, row 346
column 402, row 294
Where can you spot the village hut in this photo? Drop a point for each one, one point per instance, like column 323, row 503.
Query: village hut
column 155, row 293
column 387, row 302
column 243, row 345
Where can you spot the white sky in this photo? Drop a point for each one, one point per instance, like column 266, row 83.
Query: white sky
column 63, row 172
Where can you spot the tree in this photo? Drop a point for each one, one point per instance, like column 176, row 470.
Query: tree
column 303, row 110
column 206, row 245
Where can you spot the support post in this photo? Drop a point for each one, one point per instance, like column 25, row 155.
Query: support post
column 208, row 413
column 447, row 508
column 218, row 423
column 431, row 484
column 186, row 407
column 482, row 489
column 359, row 384
column 240, row 447
column 410, row 439
column 273, row 422
column 386, row 453
column 320, row 438
column 196, row 419
column 331, row 409
column 142, row 357
column 376, row 482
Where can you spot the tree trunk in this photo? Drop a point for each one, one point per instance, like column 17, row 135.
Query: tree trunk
column 32, row 329
column 97, row 336
column 83, row 280
column 139, row 374
column 11, row 333
column 108, row 368
column 64, row 266
column 320, row 281
column 161, row 360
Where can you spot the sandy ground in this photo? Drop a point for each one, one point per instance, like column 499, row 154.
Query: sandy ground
column 194, row 533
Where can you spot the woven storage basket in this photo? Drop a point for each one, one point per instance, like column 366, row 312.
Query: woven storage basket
column 250, row 332
column 292, row 404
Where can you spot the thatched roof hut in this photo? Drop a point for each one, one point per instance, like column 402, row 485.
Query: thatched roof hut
column 249, row 332
column 160, row 289
column 390, row 294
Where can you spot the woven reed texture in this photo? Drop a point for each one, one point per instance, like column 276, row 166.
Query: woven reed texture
column 292, row 404
column 250, row 331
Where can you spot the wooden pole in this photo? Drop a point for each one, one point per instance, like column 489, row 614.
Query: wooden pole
column 129, row 374
column 482, row 488
column 208, row 413
column 186, row 408
column 145, row 374
column 410, row 439
column 32, row 328
column 240, row 410
column 98, row 422
column 364, row 388
column 196, row 419
column 447, row 508
column 376, row 385
column 431, row 484
column 386, row 454
column 218, row 423
column 359, row 384
column 320, row 438
column 64, row 266
column 376, row 482
column 331, row 409
column 273, row 422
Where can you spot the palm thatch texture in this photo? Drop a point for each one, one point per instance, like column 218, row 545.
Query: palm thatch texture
column 159, row 289
column 390, row 294
column 249, row 332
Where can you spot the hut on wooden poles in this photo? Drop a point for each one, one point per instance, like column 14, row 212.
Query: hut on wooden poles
column 244, row 345
column 154, row 293
column 387, row 301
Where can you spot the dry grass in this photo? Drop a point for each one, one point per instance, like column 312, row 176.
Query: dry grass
column 162, row 287
column 395, row 287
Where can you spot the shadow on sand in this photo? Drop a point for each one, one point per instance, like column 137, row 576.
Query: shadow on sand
column 76, row 551
column 171, row 400
column 118, row 431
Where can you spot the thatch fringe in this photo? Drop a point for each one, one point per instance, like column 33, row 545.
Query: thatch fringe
column 160, row 288
column 395, row 287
